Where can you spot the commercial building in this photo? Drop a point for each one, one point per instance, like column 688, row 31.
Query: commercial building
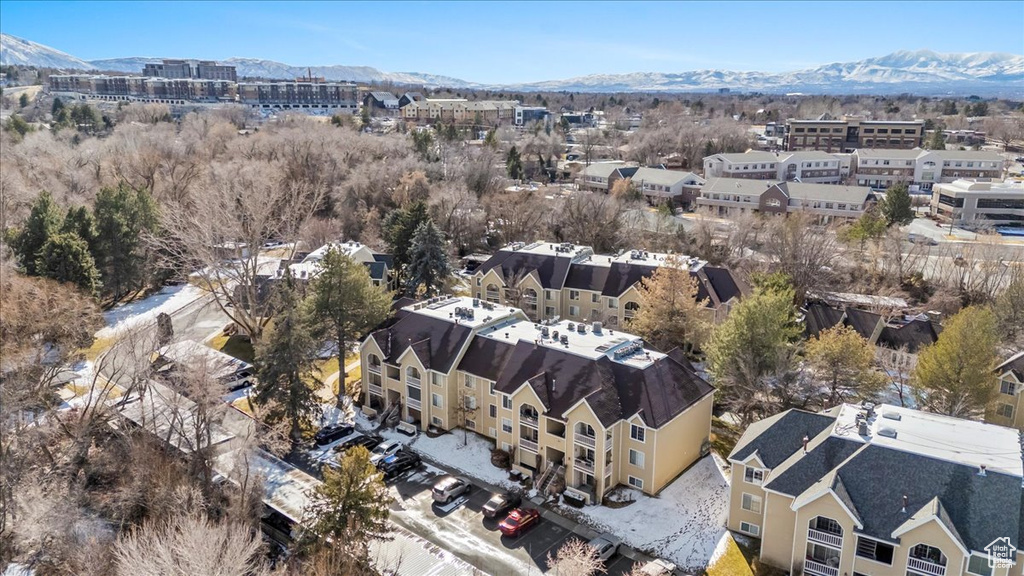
column 551, row 281
column 732, row 197
column 811, row 166
column 880, row 491
column 526, row 115
column 922, row 169
column 1008, row 408
column 567, row 400
column 851, row 133
column 970, row 203
column 302, row 93
column 198, row 69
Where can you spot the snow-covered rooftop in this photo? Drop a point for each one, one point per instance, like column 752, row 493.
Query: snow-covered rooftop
column 219, row 364
column 580, row 339
column 464, row 310
column 936, row 436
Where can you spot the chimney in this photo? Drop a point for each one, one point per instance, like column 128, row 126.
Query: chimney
column 981, row 470
column 806, row 440
column 905, row 501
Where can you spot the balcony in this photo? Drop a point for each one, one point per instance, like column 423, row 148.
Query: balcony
column 921, row 566
column 413, row 404
column 412, row 381
column 629, row 313
column 827, row 538
column 529, row 445
column 373, row 368
column 491, row 295
column 583, row 465
column 528, row 419
column 376, row 390
column 585, row 440
column 818, row 569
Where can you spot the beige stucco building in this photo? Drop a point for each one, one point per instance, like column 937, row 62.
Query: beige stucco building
column 879, row 491
column 570, row 282
column 568, row 400
column 1008, row 408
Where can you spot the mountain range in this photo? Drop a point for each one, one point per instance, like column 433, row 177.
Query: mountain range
column 921, row 72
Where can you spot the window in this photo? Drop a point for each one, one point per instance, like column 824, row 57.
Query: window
column 574, row 310
column 874, row 550
column 478, row 280
column 436, row 401
column 549, row 311
column 595, row 297
column 548, row 295
column 490, row 389
column 506, row 402
column 574, row 294
column 493, row 410
column 636, row 482
column 471, row 424
column 1007, row 388
column 979, row 565
column 636, row 432
column 1005, row 410
column 613, row 303
column 748, row 528
column 636, row 458
column 751, row 503
column 753, row 476
column 506, row 425
column 436, row 421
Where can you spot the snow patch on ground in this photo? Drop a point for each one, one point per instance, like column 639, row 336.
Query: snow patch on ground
column 133, row 314
column 685, row 523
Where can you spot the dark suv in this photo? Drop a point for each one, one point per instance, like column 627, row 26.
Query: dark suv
column 368, row 441
column 329, row 434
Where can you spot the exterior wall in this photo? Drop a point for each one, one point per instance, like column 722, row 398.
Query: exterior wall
column 777, row 530
column 829, row 507
column 737, row 487
column 1015, row 401
column 677, row 444
column 582, row 414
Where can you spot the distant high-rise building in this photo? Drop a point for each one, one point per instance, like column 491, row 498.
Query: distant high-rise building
column 197, row 69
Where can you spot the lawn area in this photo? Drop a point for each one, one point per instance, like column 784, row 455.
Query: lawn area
column 237, row 346
column 99, row 346
column 729, row 560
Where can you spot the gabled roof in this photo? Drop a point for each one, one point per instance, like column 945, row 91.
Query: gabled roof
column 602, row 169
column 743, row 186
column 486, row 357
column 663, row 177
column 377, row 270
column 382, row 96
column 1014, row 364
column 819, row 317
column 551, row 269
column 862, row 321
column 814, row 465
column 915, row 335
column 781, row 437
column 826, row 192
column 434, row 341
column 932, row 511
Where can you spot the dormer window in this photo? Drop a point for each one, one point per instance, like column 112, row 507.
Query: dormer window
column 753, row 476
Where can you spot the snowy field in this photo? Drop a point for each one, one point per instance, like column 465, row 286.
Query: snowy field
column 685, row 523
column 133, row 314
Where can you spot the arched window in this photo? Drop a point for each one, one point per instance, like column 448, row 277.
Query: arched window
column 585, row 429
column 631, row 308
column 374, row 360
column 412, row 375
column 926, row 553
column 492, row 293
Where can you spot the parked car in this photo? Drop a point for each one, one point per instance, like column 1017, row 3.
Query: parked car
column 605, row 545
column 449, row 487
column 519, row 521
column 383, row 450
column 400, row 462
column 921, row 239
column 329, row 434
column 367, row 441
column 499, row 504
column 658, row 567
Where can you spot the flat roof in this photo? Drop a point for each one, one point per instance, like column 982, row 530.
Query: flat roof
column 463, row 310
column 219, row 363
column 970, row 187
column 936, row 436
column 587, row 342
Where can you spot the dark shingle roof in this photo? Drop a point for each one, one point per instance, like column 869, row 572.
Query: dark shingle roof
column 435, row 341
column 723, row 283
column 485, row 357
column 862, row 321
column 982, row 508
column 377, row 270
column 1015, row 364
column 812, row 466
column 819, row 317
column 915, row 335
column 387, row 259
column 613, row 390
column 551, row 270
column 783, row 437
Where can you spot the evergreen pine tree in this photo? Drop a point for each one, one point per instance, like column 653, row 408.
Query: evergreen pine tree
column 286, row 373
column 79, row 221
column 398, row 229
column 43, row 222
column 57, row 106
column 23, row 101
column 66, row 258
column 514, row 164
column 428, row 266
column 122, row 215
column 896, row 207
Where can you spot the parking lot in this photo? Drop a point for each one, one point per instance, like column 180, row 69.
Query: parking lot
column 461, row 528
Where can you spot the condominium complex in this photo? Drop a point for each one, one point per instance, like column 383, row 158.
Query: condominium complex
column 567, row 281
column 302, row 93
column 880, row 491
column 850, row 133
column 922, row 169
column 810, row 166
column 460, row 110
column 970, row 203
column 657, row 184
column 568, row 400
column 1008, row 408
column 200, row 69
column 732, row 197
column 142, row 89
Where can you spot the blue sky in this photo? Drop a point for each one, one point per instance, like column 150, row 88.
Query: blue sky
column 503, row 42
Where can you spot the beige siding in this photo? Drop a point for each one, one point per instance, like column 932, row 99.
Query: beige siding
column 777, row 531
column 677, row 443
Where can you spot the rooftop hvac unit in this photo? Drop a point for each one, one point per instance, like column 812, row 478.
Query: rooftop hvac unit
column 892, row 416
column 887, row 432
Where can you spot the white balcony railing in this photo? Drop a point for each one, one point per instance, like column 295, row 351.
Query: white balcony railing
column 376, row 390
column 926, row 567
column 818, row 569
column 529, row 420
column 373, row 368
column 583, row 465
column 412, row 381
column 585, row 440
column 527, row 444
column 828, row 538
column 629, row 313
column 413, row 404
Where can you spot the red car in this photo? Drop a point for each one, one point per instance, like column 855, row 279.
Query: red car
column 518, row 521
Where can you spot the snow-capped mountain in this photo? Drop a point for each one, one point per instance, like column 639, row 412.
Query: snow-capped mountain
column 14, row 50
column 922, row 72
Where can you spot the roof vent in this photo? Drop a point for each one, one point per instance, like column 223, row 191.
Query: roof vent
column 981, row 470
column 892, row 416
column 597, row 328
column 887, row 432
column 571, row 326
column 863, row 429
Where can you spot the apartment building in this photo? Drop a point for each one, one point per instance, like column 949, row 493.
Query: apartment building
column 809, row 166
column 142, row 89
column 880, row 491
column 969, row 203
column 659, row 185
column 1008, row 408
column 303, row 93
column 199, row 69
column 460, row 110
column 895, row 333
column 733, row 197
column 851, row 133
column 599, row 176
column 549, row 281
column 578, row 401
column 922, row 169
